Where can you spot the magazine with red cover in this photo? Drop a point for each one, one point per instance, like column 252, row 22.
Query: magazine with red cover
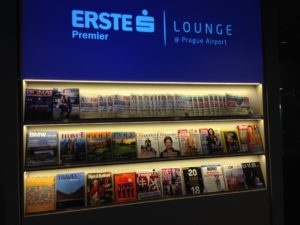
column 125, row 187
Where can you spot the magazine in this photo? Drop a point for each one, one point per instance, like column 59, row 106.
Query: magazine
column 148, row 184
column 72, row 147
column 253, row 175
column 231, row 141
column 169, row 144
column 70, row 190
column 42, row 148
column 88, row 107
column 234, row 177
column 211, row 141
column 213, row 178
column 98, row 146
column 171, row 182
column 193, row 180
column 38, row 105
column 40, row 194
column 250, row 138
column 99, row 189
column 65, row 103
column 125, row 187
column 147, row 145
column 102, row 106
column 124, row 145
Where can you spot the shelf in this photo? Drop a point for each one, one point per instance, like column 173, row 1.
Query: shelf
column 143, row 120
column 137, row 202
column 89, row 164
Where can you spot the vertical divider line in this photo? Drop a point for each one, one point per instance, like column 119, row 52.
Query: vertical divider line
column 165, row 29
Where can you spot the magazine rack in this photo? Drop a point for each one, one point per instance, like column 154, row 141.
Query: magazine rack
column 146, row 123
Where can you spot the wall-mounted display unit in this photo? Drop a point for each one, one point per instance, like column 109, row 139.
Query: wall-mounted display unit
column 152, row 111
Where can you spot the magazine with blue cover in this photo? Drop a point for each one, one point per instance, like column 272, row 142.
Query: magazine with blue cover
column 70, row 190
column 42, row 148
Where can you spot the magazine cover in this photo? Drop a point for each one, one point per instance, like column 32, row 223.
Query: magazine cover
column 146, row 106
column 163, row 109
column 88, row 107
column 121, row 106
column 124, row 145
column 234, row 177
column 148, row 184
column 250, row 138
column 170, row 105
column 134, row 106
column 99, row 189
column 72, row 147
column 231, row 141
column 42, row 148
column 195, row 106
column 237, row 105
column 110, row 111
column 213, row 178
column 147, row 145
column 242, row 130
column 168, row 144
column 221, row 104
column 171, row 182
column 189, row 142
column 206, row 108
column 40, row 194
column 212, row 105
column 141, row 112
column 154, row 110
column 200, row 105
column 211, row 141
column 98, row 146
column 125, row 187
column 193, row 180
column 70, row 190
column 102, row 106
column 183, row 105
column 253, row 175
column 38, row 105
column 65, row 103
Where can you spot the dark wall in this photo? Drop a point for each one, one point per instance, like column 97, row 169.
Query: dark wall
column 9, row 192
column 289, row 23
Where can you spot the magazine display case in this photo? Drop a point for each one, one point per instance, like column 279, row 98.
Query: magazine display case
column 222, row 119
column 150, row 50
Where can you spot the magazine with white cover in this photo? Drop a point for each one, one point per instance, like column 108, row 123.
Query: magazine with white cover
column 110, row 106
column 238, row 105
column 134, row 106
column 147, row 145
column 170, row 105
column 169, row 144
column 206, row 107
column 213, row 178
column 88, row 107
column 201, row 105
column 121, row 105
column 195, row 106
column 146, row 106
column 102, row 106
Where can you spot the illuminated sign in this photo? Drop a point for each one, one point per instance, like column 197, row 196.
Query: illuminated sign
column 139, row 40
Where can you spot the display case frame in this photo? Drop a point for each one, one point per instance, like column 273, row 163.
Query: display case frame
column 270, row 209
